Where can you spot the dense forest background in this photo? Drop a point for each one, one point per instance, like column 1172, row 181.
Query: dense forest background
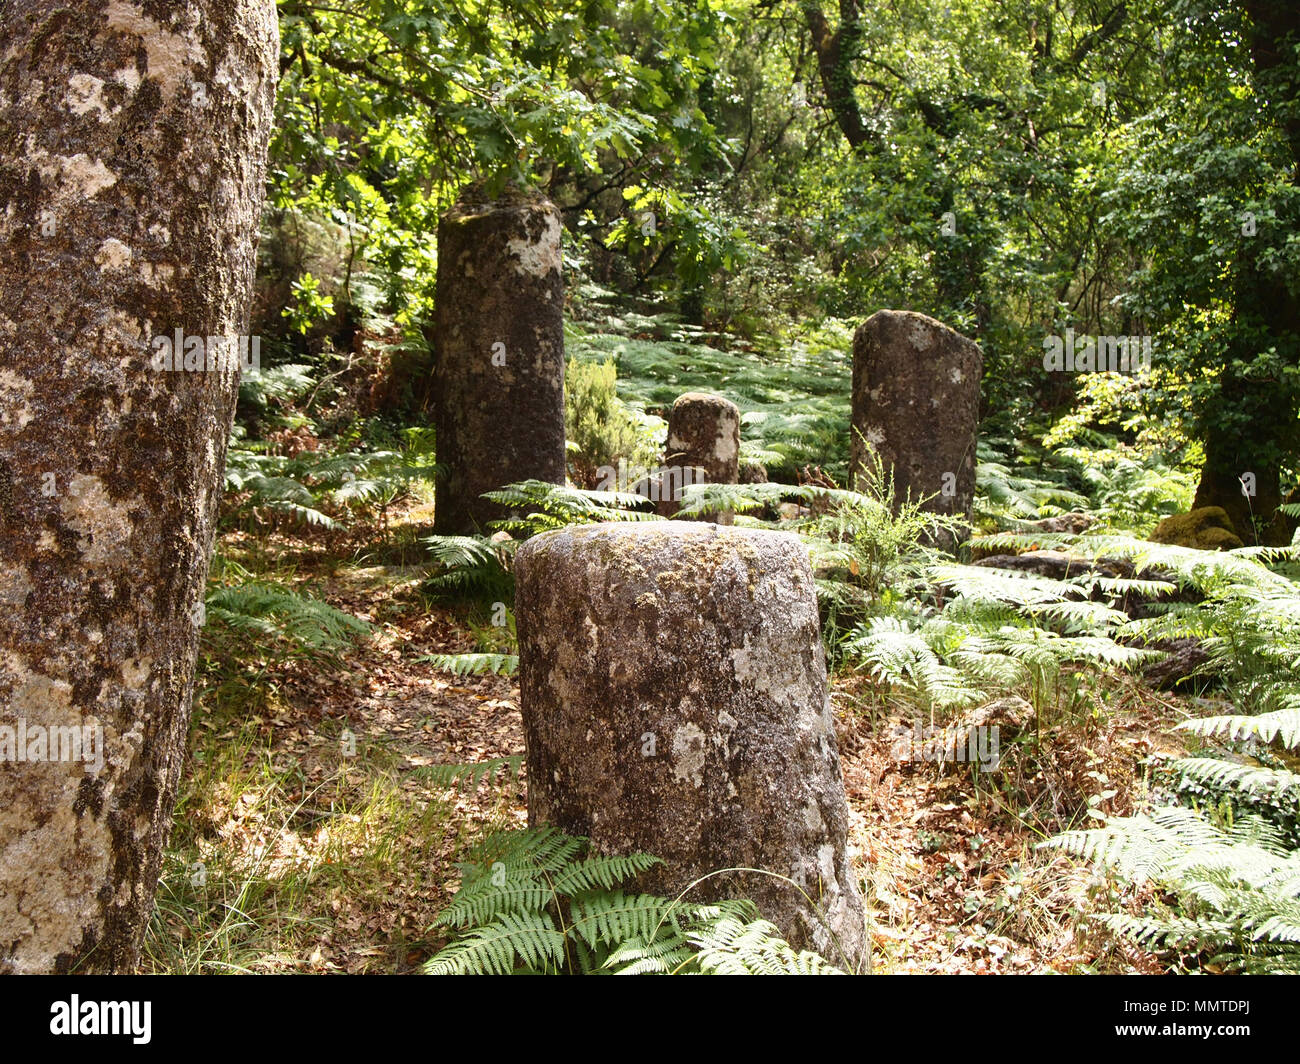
column 763, row 174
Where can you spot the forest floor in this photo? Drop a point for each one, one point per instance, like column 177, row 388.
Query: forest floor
column 296, row 851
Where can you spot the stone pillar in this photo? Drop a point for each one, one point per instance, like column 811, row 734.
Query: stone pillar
column 704, row 439
column 499, row 381
column 674, row 697
column 916, row 390
column 133, row 143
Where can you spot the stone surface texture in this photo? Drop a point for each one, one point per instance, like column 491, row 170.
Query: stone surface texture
column 674, row 695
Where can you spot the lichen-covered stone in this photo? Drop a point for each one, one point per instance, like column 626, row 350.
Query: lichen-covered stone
column 916, row 386
column 132, row 166
column 703, row 435
column 674, row 696
column 499, row 380
column 1206, row 528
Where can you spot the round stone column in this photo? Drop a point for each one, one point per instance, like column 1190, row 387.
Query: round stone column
column 674, row 696
column 499, row 378
column 703, row 447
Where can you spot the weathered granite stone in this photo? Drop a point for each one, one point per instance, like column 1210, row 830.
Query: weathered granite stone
column 916, row 386
column 499, row 380
column 674, row 696
column 703, row 436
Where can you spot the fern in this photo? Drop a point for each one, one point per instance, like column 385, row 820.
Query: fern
column 474, row 664
column 470, row 566
column 537, row 901
column 1007, row 497
column 276, row 615
column 1232, row 860
column 479, row 566
column 542, row 507
column 527, row 942
column 1282, row 725
column 473, row 774
column 793, row 397
column 307, row 487
column 731, row 946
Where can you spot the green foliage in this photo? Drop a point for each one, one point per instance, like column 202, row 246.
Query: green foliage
column 475, row 664
column 472, row 774
column 1229, row 853
column 274, row 385
column 1282, row 725
column 321, row 488
column 310, row 304
column 385, row 107
column 274, row 612
column 793, row 398
column 599, row 427
column 1006, row 498
column 1121, row 487
column 542, row 507
column 478, row 567
column 1134, row 466
column 539, row 902
column 1237, row 887
column 470, row 566
column 1215, row 210
column 868, row 551
column 250, row 619
column 996, row 635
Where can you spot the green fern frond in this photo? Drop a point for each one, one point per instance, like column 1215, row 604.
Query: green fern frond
column 461, row 552
column 473, row 774
column 1282, row 724
column 610, row 917
column 474, row 664
column 543, row 507
column 517, row 884
column 481, row 902
column 728, row 946
column 272, row 611
column 605, row 871
column 1248, row 780
column 512, row 940
column 665, row 955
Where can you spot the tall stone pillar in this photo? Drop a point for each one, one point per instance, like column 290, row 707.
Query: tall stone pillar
column 916, row 390
column 499, row 381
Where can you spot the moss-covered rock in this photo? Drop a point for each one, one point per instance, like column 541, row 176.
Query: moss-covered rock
column 1206, row 528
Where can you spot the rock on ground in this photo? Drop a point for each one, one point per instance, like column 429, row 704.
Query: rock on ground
column 1207, row 528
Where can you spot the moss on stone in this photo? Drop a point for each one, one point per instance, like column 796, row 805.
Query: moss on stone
column 1205, row 528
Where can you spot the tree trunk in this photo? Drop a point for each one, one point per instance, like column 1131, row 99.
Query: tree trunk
column 132, row 160
column 1252, row 426
column 835, row 53
column 1231, row 455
